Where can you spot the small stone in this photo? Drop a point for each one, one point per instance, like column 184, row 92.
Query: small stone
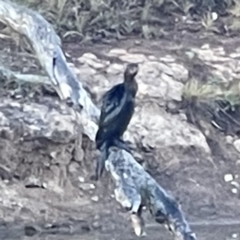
column 53, row 155
column 182, row 116
column 234, row 190
column 152, row 58
column 235, row 184
column 67, row 54
column 138, row 42
column 228, row 177
column 96, row 225
column 87, row 186
column 234, row 55
column 234, row 235
column 167, row 59
column 190, row 54
column 81, row 179
column 205, row 46
column 95, row 198
column 73, row 167
column 133, row 58
column 30, row 231
column 237, row 145
column 89, row 56
column 117, row 52
column 214, row 16
column 229, row 139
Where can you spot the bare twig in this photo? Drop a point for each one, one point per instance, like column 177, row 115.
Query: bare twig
column 135, row 188
column 8, row 74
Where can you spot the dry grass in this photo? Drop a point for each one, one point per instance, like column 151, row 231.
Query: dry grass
column 212, row 91
column 107, row 19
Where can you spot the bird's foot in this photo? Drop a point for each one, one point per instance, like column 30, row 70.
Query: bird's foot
column 138, row 222
column 100, row 166
column 121, row 144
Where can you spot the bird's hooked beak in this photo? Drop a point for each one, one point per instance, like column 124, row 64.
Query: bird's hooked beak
column 132, row 69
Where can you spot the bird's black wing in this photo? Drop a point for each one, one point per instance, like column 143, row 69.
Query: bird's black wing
column 112, row 102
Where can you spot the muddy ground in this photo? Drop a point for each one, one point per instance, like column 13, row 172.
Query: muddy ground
column 44, row 195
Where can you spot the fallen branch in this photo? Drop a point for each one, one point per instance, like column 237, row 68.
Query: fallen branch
column 18, row 77
column 47, row 46
column 135, row 188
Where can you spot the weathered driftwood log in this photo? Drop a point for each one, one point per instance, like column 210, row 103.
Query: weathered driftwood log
column 47, row 46
column 135, row 188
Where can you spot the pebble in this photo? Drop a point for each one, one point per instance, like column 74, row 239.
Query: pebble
column 229, row 139
column 238, row 162
column 190, row 54
column 138, row 42
column 167, row 59
column 235, row 184
column 205, row 46
column 89, row 56
column 81, row 179
column 53, row 154
column 117, row 52
column 228, row 177
column 112, row 196
column 234, row 190
column 152, row 58
column 234, row 235
column 73, row 167
column 96, row 225
column 214, row 16
column 237, row 145
column 133, row 58
column 234, row 55
column 87, row 186
column 95, row 198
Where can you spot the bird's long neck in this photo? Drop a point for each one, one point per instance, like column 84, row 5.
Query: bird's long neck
column 130, row 85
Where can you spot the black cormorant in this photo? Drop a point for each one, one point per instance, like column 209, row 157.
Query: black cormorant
column 116, row 112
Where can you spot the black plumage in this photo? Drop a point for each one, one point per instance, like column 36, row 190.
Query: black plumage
column 116, row 112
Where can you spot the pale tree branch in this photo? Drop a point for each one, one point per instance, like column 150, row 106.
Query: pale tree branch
column 18, row 77
column 135, row 188
column 47, row 47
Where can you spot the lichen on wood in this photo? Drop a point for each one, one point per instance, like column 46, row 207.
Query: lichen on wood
column 135, row 188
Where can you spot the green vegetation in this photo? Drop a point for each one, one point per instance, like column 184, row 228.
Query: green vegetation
column 211, row 92
column 107, row 19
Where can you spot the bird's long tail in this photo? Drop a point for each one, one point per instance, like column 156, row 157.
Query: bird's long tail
column 104, row 149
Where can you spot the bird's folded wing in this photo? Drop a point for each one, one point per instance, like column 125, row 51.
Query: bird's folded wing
column 113, row 102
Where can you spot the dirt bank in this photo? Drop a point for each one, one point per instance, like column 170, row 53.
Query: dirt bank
column 46, row 171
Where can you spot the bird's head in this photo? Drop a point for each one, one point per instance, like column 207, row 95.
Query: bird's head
column 131, row 71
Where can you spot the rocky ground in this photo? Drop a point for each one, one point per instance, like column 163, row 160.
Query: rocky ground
column 46, row 163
